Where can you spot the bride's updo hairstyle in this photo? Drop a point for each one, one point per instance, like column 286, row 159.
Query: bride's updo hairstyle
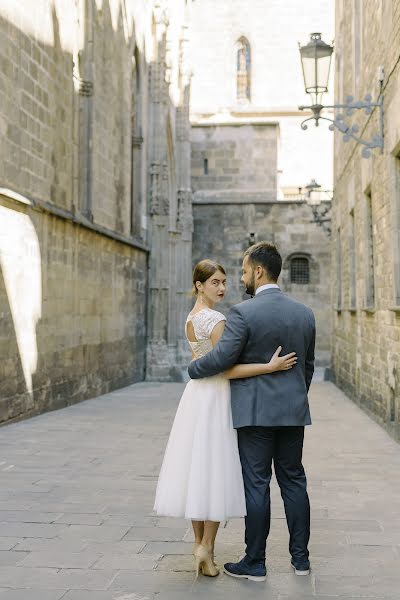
column 204, row 270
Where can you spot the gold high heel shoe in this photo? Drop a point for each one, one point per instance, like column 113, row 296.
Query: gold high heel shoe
column 204, row 561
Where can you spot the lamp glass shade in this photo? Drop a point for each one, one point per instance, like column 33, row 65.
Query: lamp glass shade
column 314, row 198
column 316, row 59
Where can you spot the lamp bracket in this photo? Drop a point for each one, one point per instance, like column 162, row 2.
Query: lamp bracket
column 351, row 131
column 320, row 218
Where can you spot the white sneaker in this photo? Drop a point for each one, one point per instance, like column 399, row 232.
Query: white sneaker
column 300, row 571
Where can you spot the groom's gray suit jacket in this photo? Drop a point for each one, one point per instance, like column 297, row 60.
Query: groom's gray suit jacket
column 254, row 329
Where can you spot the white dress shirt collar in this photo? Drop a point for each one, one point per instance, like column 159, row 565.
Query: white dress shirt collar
column 267, row 286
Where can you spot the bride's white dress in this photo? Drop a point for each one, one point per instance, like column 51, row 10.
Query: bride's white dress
column 201, row 476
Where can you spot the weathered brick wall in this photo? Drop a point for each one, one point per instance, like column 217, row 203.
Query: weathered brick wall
column 36, row 101
column 72, row 312
column 241, row 158
column 94, row 154
column 112, row 103
column 366, row 340
column 72, row 300
column 221, row 231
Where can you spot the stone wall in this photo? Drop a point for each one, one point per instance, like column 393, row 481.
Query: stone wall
column 94, row 188
column 72, row 317
column 366, row 228
column 238, row 159
column 272, row 30
column 221, row 232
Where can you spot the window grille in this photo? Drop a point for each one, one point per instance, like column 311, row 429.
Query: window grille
column 300, row 270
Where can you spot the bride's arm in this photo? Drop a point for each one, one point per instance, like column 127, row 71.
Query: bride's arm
column 277, row 363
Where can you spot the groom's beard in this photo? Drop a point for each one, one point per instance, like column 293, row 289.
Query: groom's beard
column 251, row 287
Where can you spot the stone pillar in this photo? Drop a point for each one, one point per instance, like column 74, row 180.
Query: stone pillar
column 170, row 216
column 184, row 222
column 158, row 365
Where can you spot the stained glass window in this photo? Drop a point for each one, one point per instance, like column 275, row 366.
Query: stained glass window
column 243, row 68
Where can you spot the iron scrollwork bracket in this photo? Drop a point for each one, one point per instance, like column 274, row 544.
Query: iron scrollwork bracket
column 351, row 131
column 320, row 217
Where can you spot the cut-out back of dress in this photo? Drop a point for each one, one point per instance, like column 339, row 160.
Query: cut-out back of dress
column 203, row 323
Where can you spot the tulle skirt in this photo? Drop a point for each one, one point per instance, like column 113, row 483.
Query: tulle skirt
column 201, row 476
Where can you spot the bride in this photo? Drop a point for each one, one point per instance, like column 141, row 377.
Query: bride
column 201, row 476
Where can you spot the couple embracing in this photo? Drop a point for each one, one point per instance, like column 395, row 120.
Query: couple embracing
column 238, row 414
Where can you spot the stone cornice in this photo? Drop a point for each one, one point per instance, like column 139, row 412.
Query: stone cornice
column 76, row 218
column 243, row 197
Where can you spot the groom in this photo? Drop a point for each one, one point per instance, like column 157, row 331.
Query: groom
column 269, row 411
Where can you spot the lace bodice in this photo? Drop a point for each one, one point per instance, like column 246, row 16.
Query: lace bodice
column 203, row 323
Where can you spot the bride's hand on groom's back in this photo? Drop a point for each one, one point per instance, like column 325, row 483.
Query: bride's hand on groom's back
column 282, row 363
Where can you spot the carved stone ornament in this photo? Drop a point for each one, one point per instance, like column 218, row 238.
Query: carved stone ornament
column 159, row 200
column 185, row 216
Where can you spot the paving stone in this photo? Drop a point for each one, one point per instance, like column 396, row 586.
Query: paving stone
column 346, row 525
column 130, row 562
column 44, row 578
column 106, row 533
column 156, row 534
column 177, row 563
column 387, row 538
column 7, row 543
column 9, row 558
column 142, row 583
column 22, row 516
column 81, row 519
column 49, row 545
column 32, row 530
column 203, row 592
column 358, row 586
column 109, row 595
column 168, row 548
column 107, row 508
column 171, row 522
column 130, row 519
column 115, row 548
column 67, row 507
column 61, row 560
column 30, row 594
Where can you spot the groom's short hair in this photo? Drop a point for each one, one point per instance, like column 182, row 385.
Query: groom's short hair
column 266, row 255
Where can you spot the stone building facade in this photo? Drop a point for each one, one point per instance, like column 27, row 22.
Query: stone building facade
column 95, row 202
column 259, row 49
column 250, row 158
column 366, row 225
column 304, row 247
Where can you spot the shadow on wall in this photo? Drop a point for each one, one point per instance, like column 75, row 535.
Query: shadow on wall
column 20, row 264
column 72, row 301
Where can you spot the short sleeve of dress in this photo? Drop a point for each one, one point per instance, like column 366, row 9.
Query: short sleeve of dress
column 210, row 320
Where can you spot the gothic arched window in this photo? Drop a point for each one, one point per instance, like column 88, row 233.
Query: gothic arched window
column 243, row 68
column 300, row 270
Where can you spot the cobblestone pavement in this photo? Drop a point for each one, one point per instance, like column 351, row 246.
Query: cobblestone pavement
column 76, row 497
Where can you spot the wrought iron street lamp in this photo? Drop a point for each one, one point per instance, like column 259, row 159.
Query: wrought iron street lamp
column 316, row 57
column 314, row 197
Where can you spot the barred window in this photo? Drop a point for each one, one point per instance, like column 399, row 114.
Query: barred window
column 300, row 270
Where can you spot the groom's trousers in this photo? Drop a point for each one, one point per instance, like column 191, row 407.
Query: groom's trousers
column 258, row 447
